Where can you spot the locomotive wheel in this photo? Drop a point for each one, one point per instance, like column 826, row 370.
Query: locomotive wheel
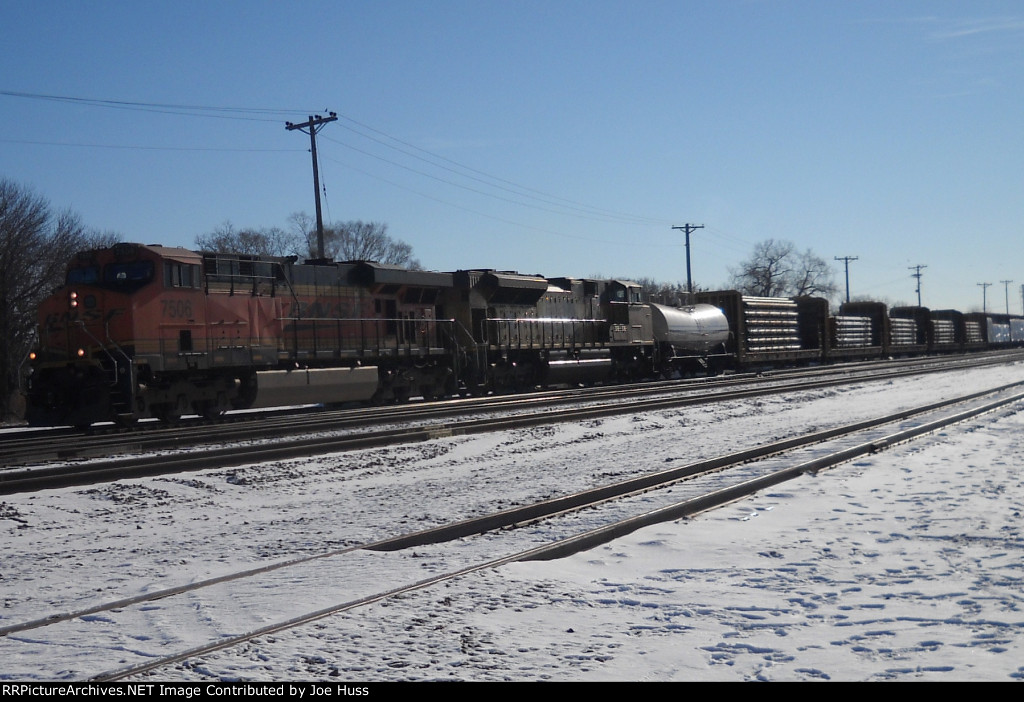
column 211, row 412
column 171, row 412
column 126, row 420
column 525, row 378
column 166, row 412
column 402, row 395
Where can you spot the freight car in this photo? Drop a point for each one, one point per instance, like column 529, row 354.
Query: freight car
column 771, row 331
column 767, row 332
column 150, row 331
column 859, row 332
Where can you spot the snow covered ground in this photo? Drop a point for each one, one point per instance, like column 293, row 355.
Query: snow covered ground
column 906, row 565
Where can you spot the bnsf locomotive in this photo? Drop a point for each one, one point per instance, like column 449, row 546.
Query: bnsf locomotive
column 150, row 331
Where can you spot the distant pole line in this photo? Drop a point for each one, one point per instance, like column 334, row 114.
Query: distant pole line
column 846, row 260
column 917, row 274
column 984, row 296
column 689, row 280
column 1006, row 284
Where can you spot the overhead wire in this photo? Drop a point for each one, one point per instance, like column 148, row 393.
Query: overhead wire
column 159, row 107
column 567, row 206
column 499, row 183
column 464, row 187
column 139, row 147
column 542, row 230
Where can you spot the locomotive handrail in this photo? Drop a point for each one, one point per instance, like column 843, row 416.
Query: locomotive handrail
column 560, row 332
column 408, row 333
column 103, row 348
column 251, row 280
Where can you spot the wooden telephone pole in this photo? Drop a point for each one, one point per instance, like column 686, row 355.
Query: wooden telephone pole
column 314, row 125
column 689, row 281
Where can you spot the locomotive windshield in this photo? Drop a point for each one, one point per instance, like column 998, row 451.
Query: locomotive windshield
column 130, row 276
column 116, row 276
column 83, row 275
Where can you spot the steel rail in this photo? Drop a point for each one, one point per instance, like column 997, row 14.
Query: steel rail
column 32, row 479
column 531, row 513
column 64, row 444
column 593, row 538
column 688, row 508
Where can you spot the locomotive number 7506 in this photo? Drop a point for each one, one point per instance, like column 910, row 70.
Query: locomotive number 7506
column 177, row 309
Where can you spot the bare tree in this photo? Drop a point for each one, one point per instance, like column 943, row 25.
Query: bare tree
column 664, row 293
column 346, row 241
column 767, row 272
column 35, row 247
column 272, row 241
column 366, row 241
column 813, row 276
column 776, row 269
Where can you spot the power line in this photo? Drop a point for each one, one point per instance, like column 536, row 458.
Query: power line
column 131, row 147
column 462, row 170
column 509, row 186
column 599, row 218
column 163, row 107
column 628, row 243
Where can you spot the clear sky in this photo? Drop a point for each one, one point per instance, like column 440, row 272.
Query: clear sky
column 555, row 137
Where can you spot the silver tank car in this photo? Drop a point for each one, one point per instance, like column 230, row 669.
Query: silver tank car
column 695, row 328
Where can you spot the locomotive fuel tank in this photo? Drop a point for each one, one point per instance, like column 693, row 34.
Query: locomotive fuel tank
column 695, row 328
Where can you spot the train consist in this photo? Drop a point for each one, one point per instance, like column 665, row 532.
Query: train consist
column 149, row 331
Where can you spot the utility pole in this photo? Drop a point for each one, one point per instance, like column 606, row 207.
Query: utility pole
column 846, row 261
column 984, row 296
column 1006, row 290
column 314, row 125
column 689, row 280
column 917, row 274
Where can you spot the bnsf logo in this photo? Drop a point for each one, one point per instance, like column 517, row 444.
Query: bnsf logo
column 55, row 321
column 331, row 310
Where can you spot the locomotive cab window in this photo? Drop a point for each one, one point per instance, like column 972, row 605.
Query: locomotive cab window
column 180, row 275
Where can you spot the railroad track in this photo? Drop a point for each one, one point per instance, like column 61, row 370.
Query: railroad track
column 508, row 413
column 231, row 609
column 41, row 446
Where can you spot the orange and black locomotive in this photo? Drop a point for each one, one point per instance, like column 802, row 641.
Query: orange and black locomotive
column 151, row 331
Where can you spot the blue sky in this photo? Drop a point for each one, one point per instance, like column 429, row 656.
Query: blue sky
column 555, row 137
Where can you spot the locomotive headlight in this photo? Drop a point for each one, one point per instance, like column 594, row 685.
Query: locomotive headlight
column 81, row 353
column 73, row 299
